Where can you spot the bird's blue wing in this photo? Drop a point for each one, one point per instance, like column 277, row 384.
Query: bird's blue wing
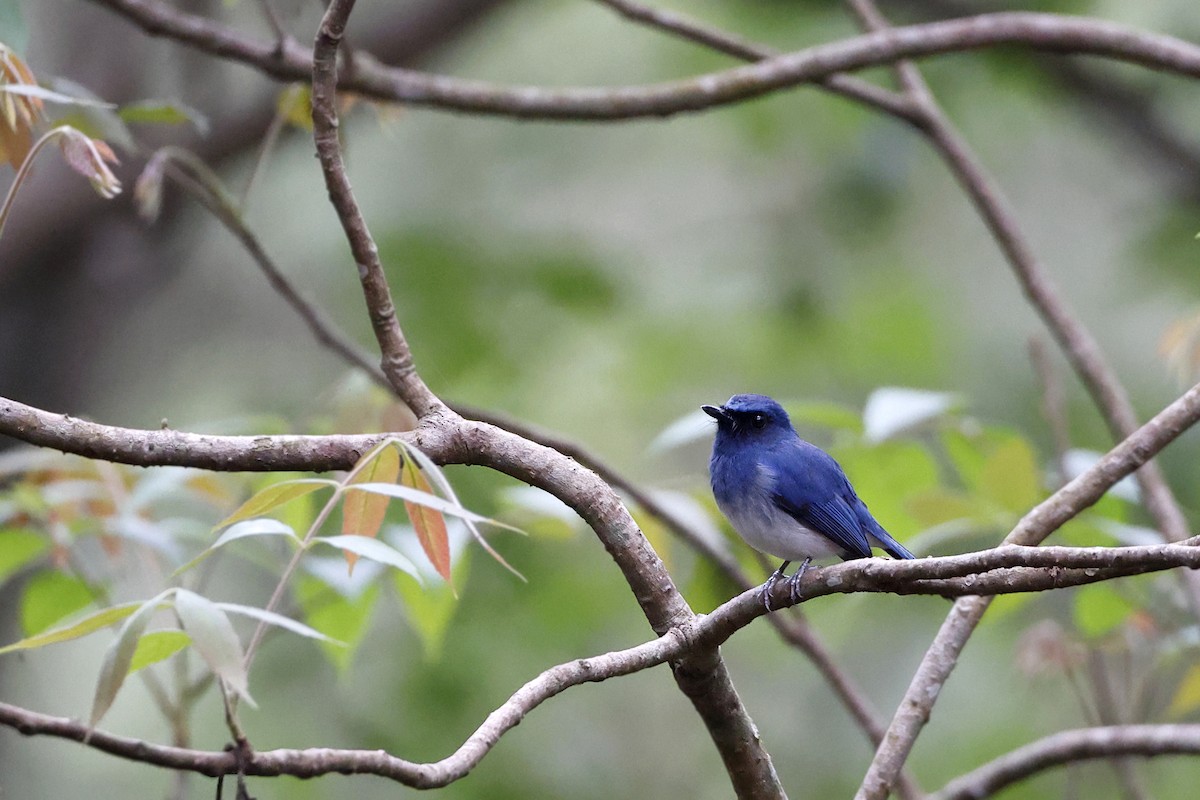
column 812, row 489
column 832, row 518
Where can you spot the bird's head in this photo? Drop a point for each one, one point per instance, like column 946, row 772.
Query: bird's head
column 750, row 416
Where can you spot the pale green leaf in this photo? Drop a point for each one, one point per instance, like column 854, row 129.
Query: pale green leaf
column 119, row 656
column 89, row 624
column 273, row 496
column 53, row 97
column 373, row 549
column 240, row 530
column 428, row 500
column 278, row 620
column 215, row 639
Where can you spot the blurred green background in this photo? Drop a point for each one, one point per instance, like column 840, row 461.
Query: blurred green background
column 602, row 281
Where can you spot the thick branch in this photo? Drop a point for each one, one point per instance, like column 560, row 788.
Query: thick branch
column 1004, row 570
column 1068, row 747
column 1049, row 32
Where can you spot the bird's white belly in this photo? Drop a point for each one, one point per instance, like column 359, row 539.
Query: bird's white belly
column 772, row 531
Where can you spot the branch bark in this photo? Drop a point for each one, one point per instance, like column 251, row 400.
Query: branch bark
column 1047, row 32
column 1003, row 570
column 1068, row 747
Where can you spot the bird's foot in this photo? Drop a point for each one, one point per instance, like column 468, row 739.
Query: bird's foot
column 794, row 581
column 770, row 584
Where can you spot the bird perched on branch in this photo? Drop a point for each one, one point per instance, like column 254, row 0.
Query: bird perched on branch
column 784, row 496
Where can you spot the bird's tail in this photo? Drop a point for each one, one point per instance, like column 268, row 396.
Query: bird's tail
column 890, row 545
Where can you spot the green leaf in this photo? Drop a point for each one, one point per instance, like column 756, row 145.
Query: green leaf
column 119, row 656
column 278, row 620
column 163, row 112
column 18, row 548
column 429, row 610
column 345, row 619
column 89, row 624
column 1100, row 609
column 274, row 496
column 157, row 646
column 1010, row 478
column 241, row 530
column 215, row 639
column 50, row 596
column 372, row 549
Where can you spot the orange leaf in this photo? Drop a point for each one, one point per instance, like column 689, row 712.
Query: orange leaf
column 429, row 524
column 363, row 512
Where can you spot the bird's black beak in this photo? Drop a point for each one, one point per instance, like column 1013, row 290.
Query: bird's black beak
column 717, row 413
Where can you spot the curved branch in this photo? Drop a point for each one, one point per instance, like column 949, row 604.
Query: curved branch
column 1067, row 747
column 1049, row 32
column 1000, row 571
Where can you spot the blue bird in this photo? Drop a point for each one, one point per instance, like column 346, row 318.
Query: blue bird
column 784, row 496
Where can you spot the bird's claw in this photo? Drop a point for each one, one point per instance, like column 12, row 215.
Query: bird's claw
column 794, row 581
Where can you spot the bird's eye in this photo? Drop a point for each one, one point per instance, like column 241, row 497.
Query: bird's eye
column 758, row 420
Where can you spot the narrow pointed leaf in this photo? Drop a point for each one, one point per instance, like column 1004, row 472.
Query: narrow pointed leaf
column 429, row 501
column 119, row 656
column 278, row 620
column 240, row 530
column 273, row 496
column 54, row 97
column 372, row 549
column 435, row 475
column 89, row 624
column 429, row 524
column 157, row 646
column 215, row 639
column 363, row 512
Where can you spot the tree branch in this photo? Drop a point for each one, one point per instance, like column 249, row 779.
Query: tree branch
column 1003, row 570
column 1067, row 747
column 1085, row 356
column 1048, row 32
column 397, row 363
